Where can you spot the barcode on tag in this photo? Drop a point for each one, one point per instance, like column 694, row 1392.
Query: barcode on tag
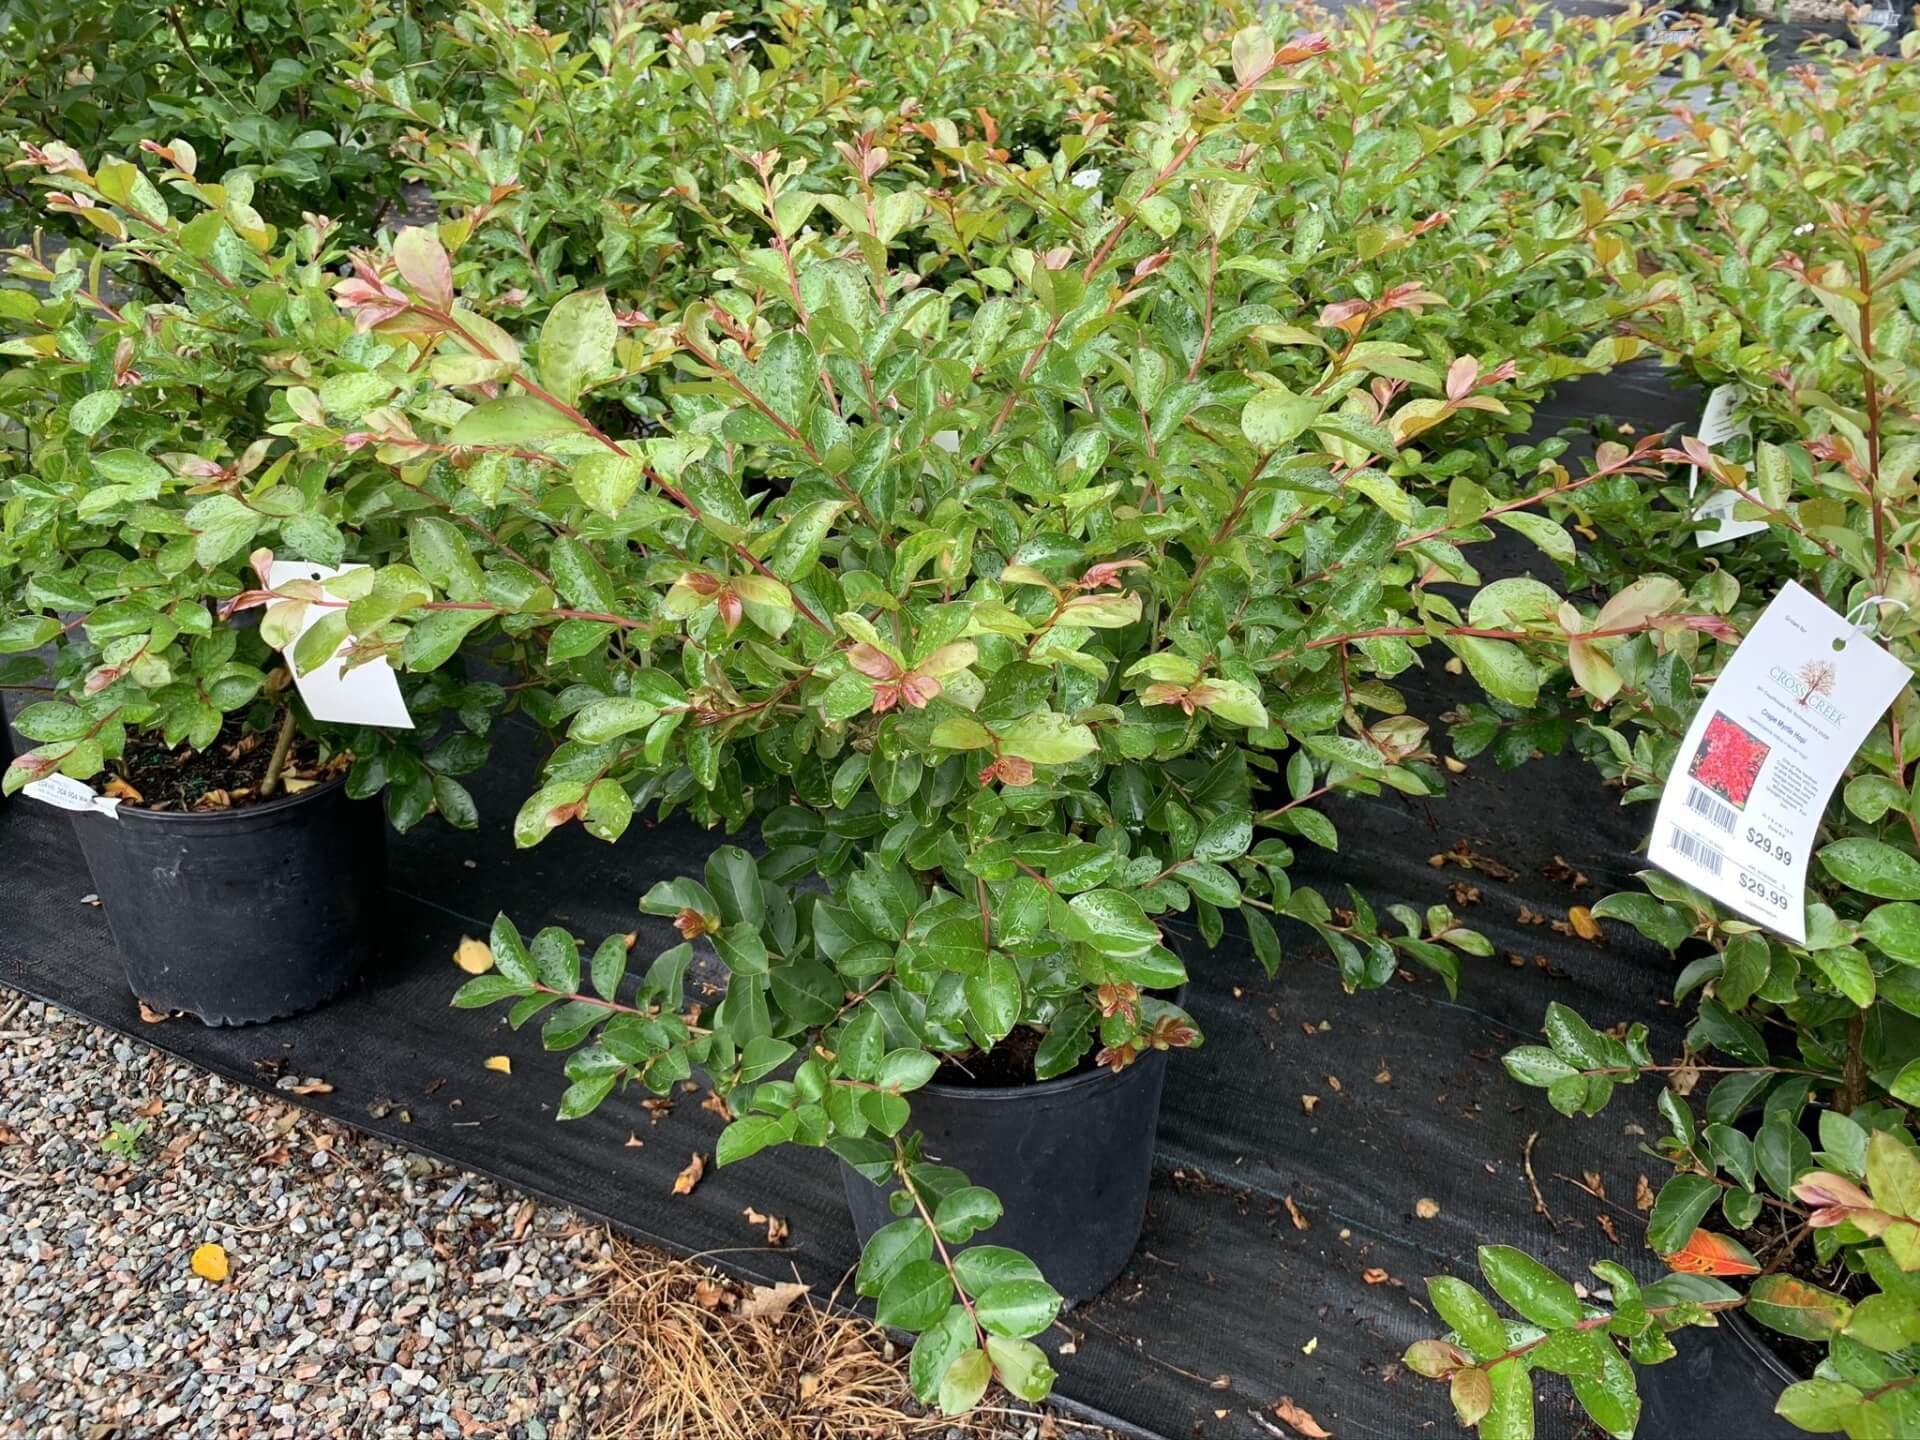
column 1692, row 847
column 1717, row 814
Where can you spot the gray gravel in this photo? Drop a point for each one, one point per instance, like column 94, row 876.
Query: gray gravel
column 373, row 1294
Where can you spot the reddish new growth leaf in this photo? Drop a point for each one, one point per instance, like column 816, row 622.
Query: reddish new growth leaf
column 367, row 297
column 692, row 924
column 1706, row 1253
column 1117, row 1057
column 1118, row 997
column 896, row 686
column 1835, row 1200
column 1108, row 572
column 1008, row 770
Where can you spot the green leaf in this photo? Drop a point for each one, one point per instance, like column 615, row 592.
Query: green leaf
column 916, row 1296
column 1678, row 1210
column 1893, row 1175
column 964, row 1212
column 510, row 420
column 1873, row 868
column 1022, row 1367
column 749, row 1135
column 90, row 413
column 1530, row 1287
column 993, row 996
column 1821, row 1406
column 1895, row 930
column 1116, row 925
column 576, row 343
column 607, row 481
column 889, row 1250
column 1501, row 668
column 1273, row 418
column 1017, row 1308
column 965, row 1382
column 1473, row 1319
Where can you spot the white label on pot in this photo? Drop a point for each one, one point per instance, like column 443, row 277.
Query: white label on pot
column 1719, row 424
column 1741, row 811
column 70, row 794
column 368, row 694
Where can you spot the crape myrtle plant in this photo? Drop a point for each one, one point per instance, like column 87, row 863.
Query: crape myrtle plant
column 987, row 601
column 1797, row 284
column 147, row 460
column 281, row 88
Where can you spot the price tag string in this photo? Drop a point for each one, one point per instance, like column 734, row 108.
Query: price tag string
column 1865, row 619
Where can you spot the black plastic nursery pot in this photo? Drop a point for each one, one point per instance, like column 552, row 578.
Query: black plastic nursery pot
column 1071, row 1160
column 1724, row 1381
column 241, row 916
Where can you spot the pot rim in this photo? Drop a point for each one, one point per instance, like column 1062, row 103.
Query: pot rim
column 246, row 813
column 1753, row 1335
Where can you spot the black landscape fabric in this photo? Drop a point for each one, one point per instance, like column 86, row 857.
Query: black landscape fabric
column 1317, row 1159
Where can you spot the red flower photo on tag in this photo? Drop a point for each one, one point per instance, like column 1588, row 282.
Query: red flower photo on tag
column 1728, row 760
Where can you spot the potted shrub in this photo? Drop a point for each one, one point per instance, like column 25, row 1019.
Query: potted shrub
column 1800, row 1179
column 987, row 591
column 240, row 875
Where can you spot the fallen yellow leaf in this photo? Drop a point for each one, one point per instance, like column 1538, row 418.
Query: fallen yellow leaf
column 210, row 1263
column 684, row 1182
column 1584, row 925
column 502, row 1063
column 473, row 956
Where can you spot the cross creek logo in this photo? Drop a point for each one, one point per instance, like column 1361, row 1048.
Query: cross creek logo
column 1809, row 685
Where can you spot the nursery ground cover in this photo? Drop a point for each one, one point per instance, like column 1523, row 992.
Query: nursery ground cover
column 1383, row 1120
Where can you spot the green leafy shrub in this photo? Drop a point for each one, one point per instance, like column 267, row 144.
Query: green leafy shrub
column 147, row 466
column 1796, row 285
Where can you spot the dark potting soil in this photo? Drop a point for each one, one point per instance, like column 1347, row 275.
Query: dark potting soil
column 1011, row 1062
column 227, row 775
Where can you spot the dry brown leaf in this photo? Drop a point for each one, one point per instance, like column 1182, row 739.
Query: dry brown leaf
column 1606, row 1225
column 1293, row 1213
column 768, row 1302
column 1333, row 1082
column 151, row 1016
column 717, row 1103
column 1375, row 1276
column 1383, row 1076
column 1299, row 1421
column 210, row 1263
column 1457, row 767
column 214, row 800
column 311, row 1087
column 121, row 790
column 684, row 1182
column 634, row 1142
column 1464, row 894
column 658, row 1107
column 710, row 1295
column 1307, row 1102
column 1642, row 1194
column 473, row 956
column 1584, row 925
column 294, row 784
column 1426, row 1208
column 1595, row 1184
column 776, row 1227
column 501, row 1063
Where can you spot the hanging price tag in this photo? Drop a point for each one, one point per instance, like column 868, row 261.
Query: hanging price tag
column 365, row 695
column 1742, row 807
column 1719, row 424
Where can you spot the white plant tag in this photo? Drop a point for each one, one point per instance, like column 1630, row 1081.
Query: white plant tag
column 1741, row 811
column 1719, row 424
column 365, row 695
column 70, row 794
